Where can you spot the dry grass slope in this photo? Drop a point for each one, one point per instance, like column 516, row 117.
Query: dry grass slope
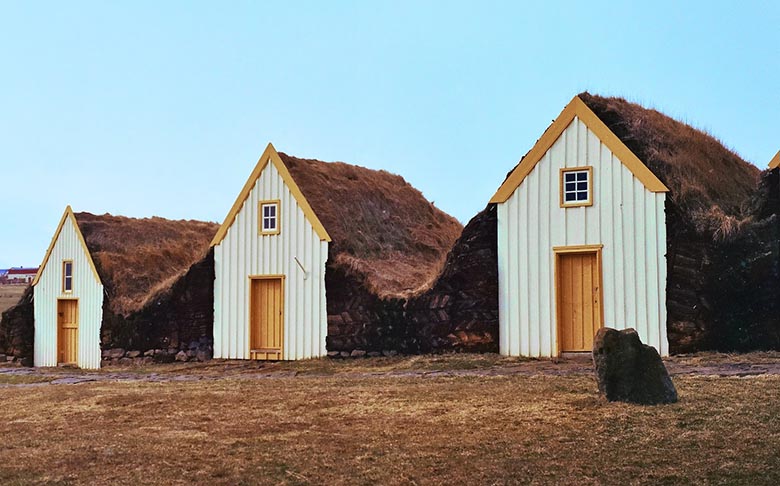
column 711, row 184
column 9, row 295
column 139, row 258
column 384, row 231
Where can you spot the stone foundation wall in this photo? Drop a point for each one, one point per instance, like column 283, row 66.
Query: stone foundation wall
column 360, row 321
column 688, row 308
column 17, row 331
column 200, row 350
column 460, row 311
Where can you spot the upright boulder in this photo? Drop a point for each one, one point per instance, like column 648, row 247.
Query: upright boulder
column 629, row 371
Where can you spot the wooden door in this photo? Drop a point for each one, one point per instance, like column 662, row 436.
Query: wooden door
column 67, row 331
column 579, row 300
column 266, row 318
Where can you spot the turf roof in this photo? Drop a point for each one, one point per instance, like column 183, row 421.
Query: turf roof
column 138, row 258
column 383, row 230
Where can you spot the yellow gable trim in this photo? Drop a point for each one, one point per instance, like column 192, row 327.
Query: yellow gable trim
column 67, row 215
column 578, row 108
column 775, row 162
column 270, row 155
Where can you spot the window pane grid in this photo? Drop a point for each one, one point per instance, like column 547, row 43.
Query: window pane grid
column 269, row 217
column 575, row 187
column 67, row 280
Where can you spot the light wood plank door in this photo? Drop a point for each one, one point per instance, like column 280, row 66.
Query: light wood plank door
column 266, row 324
column 67, row 331
column 579, row 300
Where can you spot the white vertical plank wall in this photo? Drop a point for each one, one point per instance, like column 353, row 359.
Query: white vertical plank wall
column 625, row 217
column 243, row 252
column 86, row 288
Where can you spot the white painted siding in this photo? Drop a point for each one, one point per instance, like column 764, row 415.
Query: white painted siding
column 243, row 253
column 86, row 288
column 625, row 217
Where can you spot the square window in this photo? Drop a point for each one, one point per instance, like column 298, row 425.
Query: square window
column 576, row 188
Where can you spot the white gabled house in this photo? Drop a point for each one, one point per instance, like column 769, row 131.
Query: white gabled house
column 269, row 261
column 68, row 301
column 581, row 242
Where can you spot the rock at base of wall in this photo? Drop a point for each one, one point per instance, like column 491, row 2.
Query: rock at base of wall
column 114, row 353
column 629, row 371
column 182, row 356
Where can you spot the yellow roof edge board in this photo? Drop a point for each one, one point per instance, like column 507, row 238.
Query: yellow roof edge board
column 270, row 155
column 775, row 162
column 578, row 108
column 68, row 214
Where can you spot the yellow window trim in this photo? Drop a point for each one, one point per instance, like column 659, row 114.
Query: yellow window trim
column 67, row 215
column 260, row 230
column 576, row 204
column 64, row 290
column 270, row 155
column 775, row 162
column 577, row 108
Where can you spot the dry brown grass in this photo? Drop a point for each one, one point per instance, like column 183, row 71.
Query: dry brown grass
column 359, row 429
column 384, row 231
column 708, row 182
column 138, row 258
column 10, row 295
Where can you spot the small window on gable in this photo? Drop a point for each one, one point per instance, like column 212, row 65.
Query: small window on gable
column 577, row 187
column 269, row 218
column 67, row 276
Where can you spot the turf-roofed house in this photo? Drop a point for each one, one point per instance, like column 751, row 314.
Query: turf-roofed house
column 618, row 216
column 317, row 257
column 608, row 220
column 100, row 273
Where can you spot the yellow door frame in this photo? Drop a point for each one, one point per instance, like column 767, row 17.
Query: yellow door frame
column 568, row 250
column 78, row 327
column 250, row 352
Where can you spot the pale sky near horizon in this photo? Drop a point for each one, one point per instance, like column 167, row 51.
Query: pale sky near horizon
column 162, row 108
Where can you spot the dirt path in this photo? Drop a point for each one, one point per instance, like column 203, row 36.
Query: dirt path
column 708, row 364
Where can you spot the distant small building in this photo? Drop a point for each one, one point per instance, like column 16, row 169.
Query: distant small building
column 19, row 275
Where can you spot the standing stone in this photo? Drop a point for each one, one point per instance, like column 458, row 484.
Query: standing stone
column 629, row 371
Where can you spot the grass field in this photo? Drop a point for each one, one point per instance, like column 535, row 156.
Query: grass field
column 358, row 423
column 9, row 295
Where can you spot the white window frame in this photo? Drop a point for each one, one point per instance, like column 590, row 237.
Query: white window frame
column 67, row 279
column 263, row 220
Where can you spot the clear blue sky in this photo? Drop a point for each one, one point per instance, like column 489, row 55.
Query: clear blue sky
column 162, row 108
